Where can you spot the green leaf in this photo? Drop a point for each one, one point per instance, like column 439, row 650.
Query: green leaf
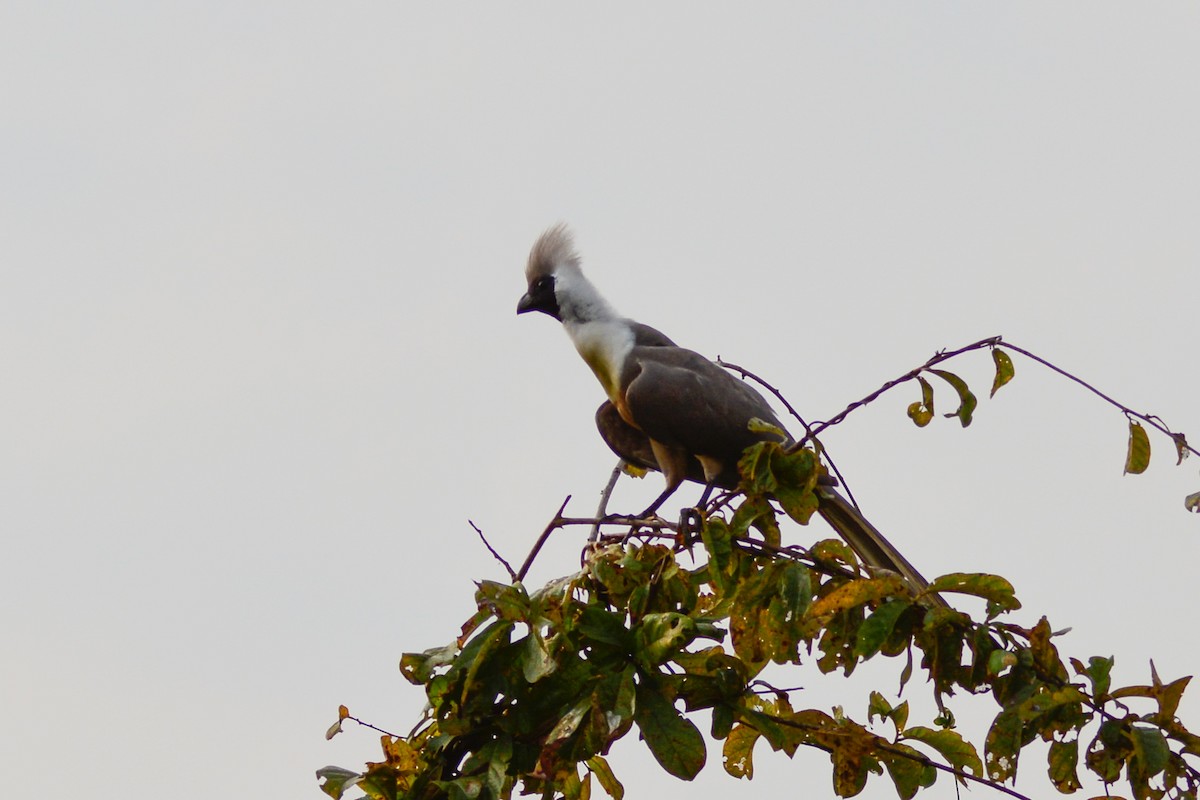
column 757, row 425
column 909, row 772
column 337, row 780
column 479, row 650
column 921, row 412
column 796, row 479
column 722, row 720
column 876, row 628
column 1064, row 762
column 999, row 661
column 418, row 668
column 537, row 661
column 1138, row 457
column 660, row 635
column 1003, row 746
column 996, row 590
column 966, row 400
column 504, row 601
column 608, row 780
column 738, row 752
column 675, row 742
column 1097, row 671
column 1004, row 370
column 1150, row 748
column 602, row 625
column 878, row 706
column 960, row 753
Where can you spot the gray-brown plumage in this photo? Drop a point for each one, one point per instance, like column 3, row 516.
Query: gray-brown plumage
column 670, row 408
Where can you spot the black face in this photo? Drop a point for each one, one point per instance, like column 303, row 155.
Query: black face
column 540, row 297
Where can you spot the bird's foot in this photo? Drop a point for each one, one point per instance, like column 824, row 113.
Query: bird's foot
column 691, row 520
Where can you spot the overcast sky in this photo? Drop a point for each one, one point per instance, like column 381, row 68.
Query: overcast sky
column 261, row 363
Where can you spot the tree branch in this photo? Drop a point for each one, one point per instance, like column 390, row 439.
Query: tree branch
column 541, row 540
column 512, row 575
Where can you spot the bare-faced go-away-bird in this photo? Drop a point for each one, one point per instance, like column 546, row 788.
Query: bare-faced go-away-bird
column 670, row 408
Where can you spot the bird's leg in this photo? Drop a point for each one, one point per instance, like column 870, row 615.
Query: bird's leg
column 662, row 498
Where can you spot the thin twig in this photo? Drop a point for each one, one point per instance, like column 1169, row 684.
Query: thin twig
column 1150, row 419
column 837, row 473
column 541, row 540
column 887, row 747
column 602, row 509
column 955, row 771
column 939, row 357
column 372, row 727
column 492, row 550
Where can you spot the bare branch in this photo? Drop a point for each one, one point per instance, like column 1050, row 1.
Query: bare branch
column 837, row 473
column 1150, row 419
column 939, row 357
column 541, row 540
column 602, row 509
column 512, row 575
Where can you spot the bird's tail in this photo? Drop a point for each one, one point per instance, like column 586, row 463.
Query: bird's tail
column 868, row 543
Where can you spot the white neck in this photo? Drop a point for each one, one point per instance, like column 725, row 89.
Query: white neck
column 578, row 299
column 602, row 337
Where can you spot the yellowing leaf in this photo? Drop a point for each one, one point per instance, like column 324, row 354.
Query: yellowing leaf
column 1064, row 759
column 996, row 590
column 608, row 780
column 956, row 750
column 633, row 471
column 921, row 412
column 738, row 751
column 1181, row 447
column 856, row 593
column 1138, row 457
column 966, row 400
column 1004, row 370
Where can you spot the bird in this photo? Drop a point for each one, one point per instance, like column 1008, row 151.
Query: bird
column 671, row 409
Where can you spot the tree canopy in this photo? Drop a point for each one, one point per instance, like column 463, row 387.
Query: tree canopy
column 539, row 683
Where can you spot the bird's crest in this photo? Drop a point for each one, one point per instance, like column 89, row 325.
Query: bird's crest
column 554, row 248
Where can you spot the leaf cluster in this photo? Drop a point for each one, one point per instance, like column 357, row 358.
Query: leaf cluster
column 538, row 686
column 534, row 692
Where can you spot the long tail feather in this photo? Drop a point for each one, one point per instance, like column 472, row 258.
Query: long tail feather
column 868, row 543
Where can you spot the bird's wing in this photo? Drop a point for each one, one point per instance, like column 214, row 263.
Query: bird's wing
column 645, row 336
column 633, row 446
column 680, row 398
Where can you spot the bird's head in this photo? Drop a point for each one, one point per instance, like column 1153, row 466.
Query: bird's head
column 556, row 283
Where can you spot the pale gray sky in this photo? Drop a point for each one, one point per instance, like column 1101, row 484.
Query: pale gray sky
column 261, row 361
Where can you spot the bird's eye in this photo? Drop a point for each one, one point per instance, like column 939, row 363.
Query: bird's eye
column 542, row 283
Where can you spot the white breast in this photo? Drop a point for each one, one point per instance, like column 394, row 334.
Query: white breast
column 603, row 344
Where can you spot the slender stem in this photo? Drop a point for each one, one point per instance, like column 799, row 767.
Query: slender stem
column 602, row 509
column 837, row 473
column 541, row 540
column 492, row 550
column 939, row 357
column 1150, row 419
